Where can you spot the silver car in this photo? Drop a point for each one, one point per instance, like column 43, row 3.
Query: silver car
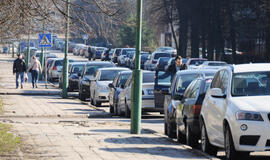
column 99, row 89
column 55, row 69
column 148, row 103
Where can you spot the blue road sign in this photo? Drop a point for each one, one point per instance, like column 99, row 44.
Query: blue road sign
column 45, row 40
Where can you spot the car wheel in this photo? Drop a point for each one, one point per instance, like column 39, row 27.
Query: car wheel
column 191, row 138
column 230, row 152
column 81, row 96
column 97, row 104
column 206, row 146
column 165, row 128
column 180, row 136
column 170, row 131
column 127, row 111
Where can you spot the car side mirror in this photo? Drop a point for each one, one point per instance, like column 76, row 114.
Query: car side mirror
column 79, row 74
column 217, row 93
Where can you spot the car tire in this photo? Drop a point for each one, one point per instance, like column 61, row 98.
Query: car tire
column 206, row 146
column 170, row 132
column 191, row 138
column 127, row 111
column 97, row 104
column 230, row 152
column 115, row 109
column 81, row 96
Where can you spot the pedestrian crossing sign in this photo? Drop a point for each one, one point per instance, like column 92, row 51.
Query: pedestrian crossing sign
column 45, row 40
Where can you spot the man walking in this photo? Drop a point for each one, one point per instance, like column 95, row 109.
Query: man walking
column 19, row 68
column 90, row 53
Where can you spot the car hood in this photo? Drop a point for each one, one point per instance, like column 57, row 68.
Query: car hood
column 252, row 103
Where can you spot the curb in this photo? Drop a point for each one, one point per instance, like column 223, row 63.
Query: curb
column 31, row 94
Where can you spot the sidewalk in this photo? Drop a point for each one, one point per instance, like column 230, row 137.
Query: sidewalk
column 59, row 129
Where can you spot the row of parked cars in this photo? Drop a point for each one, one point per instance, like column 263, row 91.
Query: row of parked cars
column 212, row 104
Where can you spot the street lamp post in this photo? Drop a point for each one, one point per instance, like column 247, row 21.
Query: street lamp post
column 42, row 56
column 28, row 51
column 136, row 93
column 65, row 64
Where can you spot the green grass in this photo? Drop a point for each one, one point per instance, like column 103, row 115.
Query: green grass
column 8, row 142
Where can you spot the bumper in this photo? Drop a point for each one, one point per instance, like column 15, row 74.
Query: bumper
column 255, row 138
column 55, row 74
column 102, row 96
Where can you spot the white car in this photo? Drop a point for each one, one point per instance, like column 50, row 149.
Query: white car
column 235, row 113
column 99, row 89
column 148, row 103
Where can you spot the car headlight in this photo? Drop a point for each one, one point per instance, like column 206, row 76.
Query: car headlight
column 248, row 116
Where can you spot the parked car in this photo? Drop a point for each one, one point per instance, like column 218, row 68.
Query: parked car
column 234, row 114
column 32, row 51
column 194, row 63
column 161, row 63
column 88, row 74
column 213, row 65
column 144, row 57
column 55, row 68
column 76, row 50
column 97, row 51
column 187, row 114
column 74, row 69
column 124, row 52
column 99, row 87
column 150, row 64
column 128, row 58
column 167, row 49
column 116, row 53
column 115, row 88
column 173, row 98
column 83, row 50
column 148, row 104
column 110, row 54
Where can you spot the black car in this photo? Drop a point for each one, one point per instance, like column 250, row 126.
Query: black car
column 187, row 116
column 144, row 57
column 88, row 73
column 173, row 98
column 74, row 69
column 115, row 88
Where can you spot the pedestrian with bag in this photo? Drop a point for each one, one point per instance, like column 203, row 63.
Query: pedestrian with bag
column 19, row 68
column 35, row 69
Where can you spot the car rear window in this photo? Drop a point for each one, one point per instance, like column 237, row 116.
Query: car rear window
column 108, row 75
column 216, row 64
column 148, row 77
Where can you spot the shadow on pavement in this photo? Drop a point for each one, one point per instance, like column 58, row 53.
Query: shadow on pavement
column 146, row 120
column 111, row 130
column 141, row 140
column 158, row 151
column 72, row 103
column 252, row 157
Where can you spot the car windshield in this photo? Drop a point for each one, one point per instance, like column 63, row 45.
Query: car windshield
column 91, row 70
column 77, row 68
column 108, row 75
column 144, row 56
column 196, row 62
column 117, row 52
column 158, row 55
column 184, row 81
column 123, row 79
column 251, row 84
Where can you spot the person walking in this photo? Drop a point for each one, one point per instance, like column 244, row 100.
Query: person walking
column 90, row 53
column 35, row 69
column 19, row 68
column 106, row 54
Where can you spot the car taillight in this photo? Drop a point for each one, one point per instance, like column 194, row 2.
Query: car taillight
column 196, row 109
column 54, row 68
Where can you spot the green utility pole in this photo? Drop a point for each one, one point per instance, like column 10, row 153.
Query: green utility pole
column 136, row 90
column 65, row 64
column 42, row 57
column 28, row 51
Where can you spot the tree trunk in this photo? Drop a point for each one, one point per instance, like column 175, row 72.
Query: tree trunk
column 183, row 27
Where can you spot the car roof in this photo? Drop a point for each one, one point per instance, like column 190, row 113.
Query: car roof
column 255, row 67
column 192, row 71
column 78, row 63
